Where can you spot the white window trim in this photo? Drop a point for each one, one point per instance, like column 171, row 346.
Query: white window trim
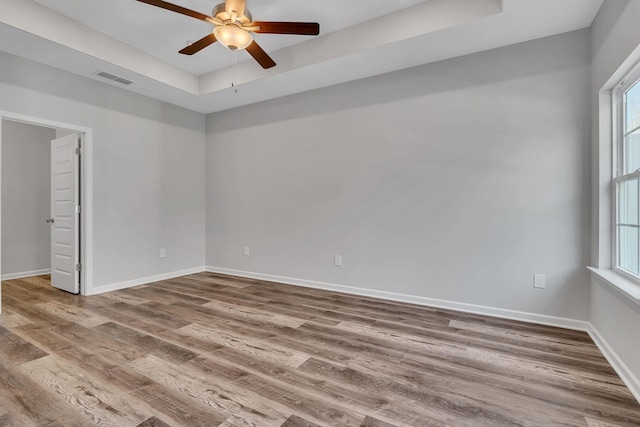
column 618, row 121
column 622, row 283
column 605, row 150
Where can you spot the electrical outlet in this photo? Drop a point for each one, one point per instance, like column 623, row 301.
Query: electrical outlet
column 163, row 253
column 539, row 281
column 246, row 251
column 337, row 260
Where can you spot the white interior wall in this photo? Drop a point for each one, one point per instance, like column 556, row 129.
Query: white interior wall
column 615, row 48
column 148, row 169
column 61, row 132
column 455, row 181
column 26, row 166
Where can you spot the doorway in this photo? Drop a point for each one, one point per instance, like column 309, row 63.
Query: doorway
column 81, row 269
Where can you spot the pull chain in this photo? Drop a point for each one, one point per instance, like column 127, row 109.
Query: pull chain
column 234, row 62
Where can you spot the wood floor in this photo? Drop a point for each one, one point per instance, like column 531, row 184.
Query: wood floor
column 212, row 350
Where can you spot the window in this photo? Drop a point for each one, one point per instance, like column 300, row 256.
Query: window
column 627, row 179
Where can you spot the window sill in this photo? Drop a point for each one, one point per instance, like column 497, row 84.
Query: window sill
column 627, row 286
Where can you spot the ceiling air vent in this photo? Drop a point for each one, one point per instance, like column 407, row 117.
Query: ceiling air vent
column 110, row 76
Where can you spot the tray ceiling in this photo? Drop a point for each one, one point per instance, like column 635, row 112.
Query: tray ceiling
column 359, row 38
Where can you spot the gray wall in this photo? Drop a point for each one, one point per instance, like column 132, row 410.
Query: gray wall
column 148, row 177
column 456, row 180
column 26, row 202
column 616, row 34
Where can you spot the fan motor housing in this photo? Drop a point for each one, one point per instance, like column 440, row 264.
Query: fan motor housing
column 220, row 12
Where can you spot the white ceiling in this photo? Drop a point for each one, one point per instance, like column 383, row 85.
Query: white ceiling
column 358, row 38
column 145, row 27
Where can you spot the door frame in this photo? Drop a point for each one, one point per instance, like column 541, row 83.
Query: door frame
column 86, row 191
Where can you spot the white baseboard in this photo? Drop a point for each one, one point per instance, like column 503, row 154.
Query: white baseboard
column 621, row 368
column 144, row 280
column 24, row 274
column 430, row 302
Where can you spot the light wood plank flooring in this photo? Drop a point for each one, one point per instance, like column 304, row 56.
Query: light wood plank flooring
column 213, row 350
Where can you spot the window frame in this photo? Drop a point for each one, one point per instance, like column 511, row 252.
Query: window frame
column 618, row 137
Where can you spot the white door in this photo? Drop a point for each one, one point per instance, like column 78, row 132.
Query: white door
column 65, row 213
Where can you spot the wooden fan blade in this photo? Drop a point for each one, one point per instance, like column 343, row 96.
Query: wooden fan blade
column 302, row 28
column 196, row 47
column 237, row 5
column 260, row 55
column 178, row 9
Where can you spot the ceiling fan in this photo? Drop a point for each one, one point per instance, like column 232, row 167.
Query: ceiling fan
column 233, row 25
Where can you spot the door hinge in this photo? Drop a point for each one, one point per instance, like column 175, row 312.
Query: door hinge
column 78, row 209
column 78, row 267
column 78, row 151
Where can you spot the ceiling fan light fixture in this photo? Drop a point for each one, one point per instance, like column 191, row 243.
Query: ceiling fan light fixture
column 232, row 37
column 233, row 26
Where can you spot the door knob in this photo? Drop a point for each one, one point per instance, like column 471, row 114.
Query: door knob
column 50, row 220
